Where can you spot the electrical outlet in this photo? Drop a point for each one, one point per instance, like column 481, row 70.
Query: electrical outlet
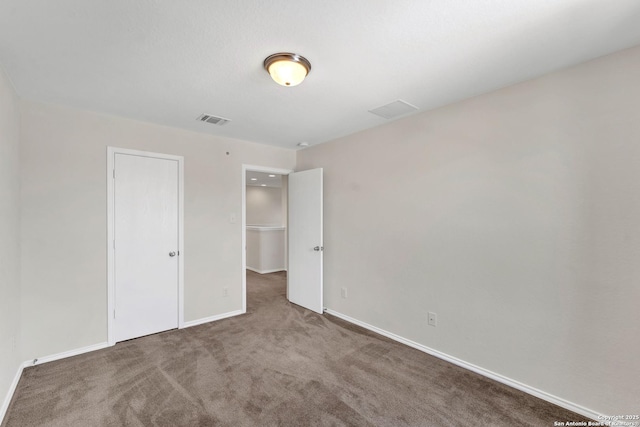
column 343, row 292
column 433, row 319
column 225, row 292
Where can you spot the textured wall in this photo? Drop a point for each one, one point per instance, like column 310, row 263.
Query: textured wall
column 514, row 216
column 9, row 235
column 64, row 248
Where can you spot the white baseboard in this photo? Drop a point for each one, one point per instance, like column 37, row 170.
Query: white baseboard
column 65, row 354
column 275, row 270
column 10, row 392
column 211, row 319
column 484, row 372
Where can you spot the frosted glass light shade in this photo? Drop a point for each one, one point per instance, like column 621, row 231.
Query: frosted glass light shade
column 287, row 73
column 287, row 69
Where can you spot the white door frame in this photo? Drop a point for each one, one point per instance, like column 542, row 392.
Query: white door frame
column 111, row 289
column 251, row 168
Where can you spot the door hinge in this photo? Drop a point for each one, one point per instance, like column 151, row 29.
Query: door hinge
column 114, row 314
column 114, row 174
column 178, row 253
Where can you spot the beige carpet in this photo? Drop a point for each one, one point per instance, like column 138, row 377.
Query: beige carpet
column 278, row 365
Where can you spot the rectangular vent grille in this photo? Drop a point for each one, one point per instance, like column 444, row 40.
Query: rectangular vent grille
column 208, row 118
column 394, row 109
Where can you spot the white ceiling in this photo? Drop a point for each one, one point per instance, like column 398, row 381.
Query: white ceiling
column 168, row 61
column 261, row 179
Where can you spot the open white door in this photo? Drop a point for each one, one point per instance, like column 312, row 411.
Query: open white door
column 305, row 239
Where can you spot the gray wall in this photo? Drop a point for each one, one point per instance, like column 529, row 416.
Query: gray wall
column 64, row 210
column 513, row 216
column 9, row 235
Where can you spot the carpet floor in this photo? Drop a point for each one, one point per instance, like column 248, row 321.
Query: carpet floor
column 277, row 365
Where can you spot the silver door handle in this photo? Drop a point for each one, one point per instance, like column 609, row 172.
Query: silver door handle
column 318, row 248
column 172, row 253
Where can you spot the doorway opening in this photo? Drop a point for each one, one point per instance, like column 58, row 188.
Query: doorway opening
column 264, row 222
column 266, row 210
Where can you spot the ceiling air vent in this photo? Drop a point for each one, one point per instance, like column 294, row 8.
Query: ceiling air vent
column 394, row 109
column 208, row 118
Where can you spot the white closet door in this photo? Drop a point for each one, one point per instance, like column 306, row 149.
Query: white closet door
column 146, row 245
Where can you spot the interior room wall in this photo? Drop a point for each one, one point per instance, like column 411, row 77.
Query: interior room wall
column 514, row 217
column 264, row 206
column 64, row 214
column 9, row 236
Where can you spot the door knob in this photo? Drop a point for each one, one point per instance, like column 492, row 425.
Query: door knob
column 172, row 253
column 318, row 248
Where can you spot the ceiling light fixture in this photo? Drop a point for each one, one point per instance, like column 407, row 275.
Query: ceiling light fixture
column 287, row 69
column 272, row 176
column 254, row 179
